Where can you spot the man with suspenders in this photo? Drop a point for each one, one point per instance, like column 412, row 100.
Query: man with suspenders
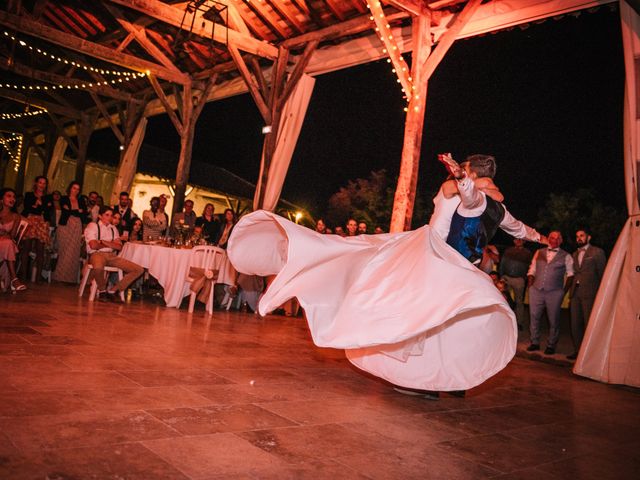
column 103, row 243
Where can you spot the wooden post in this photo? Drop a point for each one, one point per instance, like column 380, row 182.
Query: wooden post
column 186, row 150
column 405, row 195
column 85, row 129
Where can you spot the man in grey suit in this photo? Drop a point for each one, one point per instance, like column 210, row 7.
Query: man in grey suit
column 588, row 266
column 547, row 287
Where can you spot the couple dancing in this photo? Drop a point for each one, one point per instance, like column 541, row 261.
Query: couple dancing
column 410, row 307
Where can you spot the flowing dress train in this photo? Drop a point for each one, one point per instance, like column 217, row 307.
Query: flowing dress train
column 406, row 307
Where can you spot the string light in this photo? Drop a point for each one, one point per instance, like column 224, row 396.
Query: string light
column 20, row 87
column 399, row 66
column 89, row 68
column 13, row 116
column 14, row 152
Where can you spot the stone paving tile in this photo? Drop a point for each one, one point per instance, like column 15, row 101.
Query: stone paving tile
column 148, row 378
column 221, row 455
column 219, row 418
column 75, row 380
column 141, row 398
column 19, row 404
column 131, row 461
column 74, row 430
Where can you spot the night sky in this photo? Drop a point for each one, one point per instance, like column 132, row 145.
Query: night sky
column 546, row 100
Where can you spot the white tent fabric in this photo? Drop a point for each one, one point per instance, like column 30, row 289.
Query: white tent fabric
column 610, row 350
column 129, row 162
column 288, row 132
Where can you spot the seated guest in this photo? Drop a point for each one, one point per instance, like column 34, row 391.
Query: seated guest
column 154, row 221
column 135, row 235
column 116, row 221
column 340, row 231
column 209, row 223
column 229, row 222
column 37, row 205
column 69, row 234
column 126, row 214
column 9, row 222
column 378, row 230
column 362, row 228
column 187, row 217
column 103, row 243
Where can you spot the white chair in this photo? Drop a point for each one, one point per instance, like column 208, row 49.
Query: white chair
column 208, row 258
column 94, row 286
column 21, row 229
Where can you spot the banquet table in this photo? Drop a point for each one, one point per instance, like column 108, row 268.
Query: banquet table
column 170, row 267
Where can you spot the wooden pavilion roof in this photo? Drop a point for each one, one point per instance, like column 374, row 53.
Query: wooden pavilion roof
column 68, row 56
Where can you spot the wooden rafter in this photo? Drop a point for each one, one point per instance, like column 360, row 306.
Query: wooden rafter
column 252, row 85
column 414, row 7
column 165, row 103
column 268, row 18
column 37, row 29
column 395, row 54
column 174, row 16
column 107, row 116
column 334, row 7
column 447, row 38
column 286, row 13
column 297, row 73
column 140, row 35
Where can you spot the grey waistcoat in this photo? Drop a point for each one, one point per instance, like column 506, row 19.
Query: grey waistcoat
column 550, row 276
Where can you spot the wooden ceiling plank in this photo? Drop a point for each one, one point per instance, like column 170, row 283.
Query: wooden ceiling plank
column 414, row 7
column 125, row 43
column 56, row 21
column 261, row 10
column 296, row 24
column 37, row 29
column 173, row 16
column 86, row 25
column 334, row 8
column 235, row 19
column 65, row 18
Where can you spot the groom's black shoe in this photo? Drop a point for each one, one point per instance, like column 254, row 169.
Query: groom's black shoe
column 533, row 347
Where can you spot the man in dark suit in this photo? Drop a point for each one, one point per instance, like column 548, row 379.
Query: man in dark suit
column 588, row 266
column 126, row 214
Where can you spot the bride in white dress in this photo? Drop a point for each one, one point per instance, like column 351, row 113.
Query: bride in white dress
column 405, row 306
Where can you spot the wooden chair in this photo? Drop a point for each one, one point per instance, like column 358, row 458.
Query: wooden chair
column 209, row 259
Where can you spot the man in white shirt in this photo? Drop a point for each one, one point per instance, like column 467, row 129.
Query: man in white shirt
column 547, row 288
column 103, row 243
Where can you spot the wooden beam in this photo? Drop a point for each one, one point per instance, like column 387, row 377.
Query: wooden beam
column 202, row 27
column 414, row 7
column 447, row 38
column 140, row 35
column 64, row 134
column 107, row 116
column 285, row 11
column 383, row 29
column 65, row 40
column 301, row 64
column 350, row 27
column 261, row 11
column 405, row 195
column 254, row 89
column 165, row 103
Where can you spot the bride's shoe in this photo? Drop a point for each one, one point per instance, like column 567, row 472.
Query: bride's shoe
column 17, row 285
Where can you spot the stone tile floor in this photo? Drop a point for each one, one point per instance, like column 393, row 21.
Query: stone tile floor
column 139, row 391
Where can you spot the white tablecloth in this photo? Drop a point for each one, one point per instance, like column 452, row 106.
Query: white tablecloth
column 170, row 267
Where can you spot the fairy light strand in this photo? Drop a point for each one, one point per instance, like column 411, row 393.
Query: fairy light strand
column 103, row 71
column 14, row 153
column 13, row 116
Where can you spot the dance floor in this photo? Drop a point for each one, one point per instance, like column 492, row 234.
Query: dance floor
column 139, row 391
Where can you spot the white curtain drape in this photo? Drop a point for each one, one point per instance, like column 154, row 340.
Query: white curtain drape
column 129, row 164
column 610, row 350
column 288, row 133
column 58, row 154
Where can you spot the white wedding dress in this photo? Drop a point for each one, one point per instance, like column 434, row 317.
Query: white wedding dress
column 406, row 307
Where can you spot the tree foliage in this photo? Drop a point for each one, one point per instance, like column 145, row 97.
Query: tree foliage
column 370, row 200
column 572, row 211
